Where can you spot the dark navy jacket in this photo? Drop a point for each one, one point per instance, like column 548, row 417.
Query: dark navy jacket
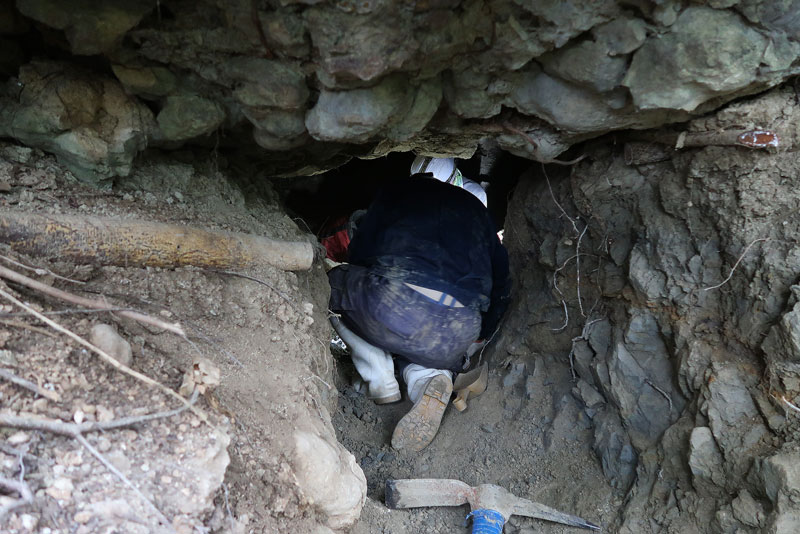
column 435, row 235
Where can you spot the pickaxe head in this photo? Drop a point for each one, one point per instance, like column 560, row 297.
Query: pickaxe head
column 491, row 506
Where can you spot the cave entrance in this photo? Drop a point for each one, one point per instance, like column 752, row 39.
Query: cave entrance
column 526, row 433
column 318, row 200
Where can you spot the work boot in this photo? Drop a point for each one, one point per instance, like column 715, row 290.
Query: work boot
column 419, row 426
column 374, row 364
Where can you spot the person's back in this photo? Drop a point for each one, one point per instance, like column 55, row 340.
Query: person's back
column 429, row 233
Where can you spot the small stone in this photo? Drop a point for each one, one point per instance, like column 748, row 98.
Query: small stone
column 308, row 308
column 8, row 358
column 109, row 341
column 82, row 517
column 29, row 522
column 79, row 416
column 104, row 414
column 103, row 444
column 18, row 438
column 61, row 489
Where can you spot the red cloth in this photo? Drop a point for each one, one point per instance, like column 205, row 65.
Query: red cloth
column 336, row 239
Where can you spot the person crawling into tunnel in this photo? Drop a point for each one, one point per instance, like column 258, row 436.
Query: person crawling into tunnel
column 427, row 280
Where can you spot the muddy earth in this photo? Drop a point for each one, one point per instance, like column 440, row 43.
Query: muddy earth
column 646, row 375
column 644, row 378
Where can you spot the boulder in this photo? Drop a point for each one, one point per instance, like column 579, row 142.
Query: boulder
column 85, row 119
column 90, row 27
column 330, row 479
column 724, row 57
column 187, row 116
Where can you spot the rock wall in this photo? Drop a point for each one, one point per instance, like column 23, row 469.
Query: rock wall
column 670, row 288
column 307, row 84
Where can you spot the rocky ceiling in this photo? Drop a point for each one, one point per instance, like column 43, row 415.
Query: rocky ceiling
column 312, row 83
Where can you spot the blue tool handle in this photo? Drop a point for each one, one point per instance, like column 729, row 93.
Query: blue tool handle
column 486, row 521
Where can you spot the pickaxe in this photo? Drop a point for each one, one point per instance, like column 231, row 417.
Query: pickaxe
column 491, row 506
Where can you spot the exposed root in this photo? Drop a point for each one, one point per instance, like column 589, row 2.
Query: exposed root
column 735, row 265
column 88, row 303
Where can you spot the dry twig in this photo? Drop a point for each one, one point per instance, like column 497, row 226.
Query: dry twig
column 88, row 303
column 19, row 486
column 108, row 359
column 735, row 265
column 76, row 431
column 39, row 270
column 30, row 386
column 26, row 326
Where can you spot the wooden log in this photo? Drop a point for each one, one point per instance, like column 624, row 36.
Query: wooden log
column 135, row 243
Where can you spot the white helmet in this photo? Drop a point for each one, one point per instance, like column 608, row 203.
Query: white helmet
column 443, row 169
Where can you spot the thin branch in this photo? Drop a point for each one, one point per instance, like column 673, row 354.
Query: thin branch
column 26, row 326
column 82, row 301
column 109, row 359
column 70, row 311
column 735, row 265
column 76, row 431
column 39, row 271
column 30, row 386
column 56, row 426
column 103, row 460
column 22, row 488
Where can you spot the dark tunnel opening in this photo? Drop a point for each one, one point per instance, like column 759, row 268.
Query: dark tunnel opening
column 322, row 199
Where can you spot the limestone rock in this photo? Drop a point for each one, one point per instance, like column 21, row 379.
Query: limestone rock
column 187, row 116
column 265, row 82
column 329, row 478
column 358, row 115
column 783, row 341
column 621, row 36
column 148, row 82
column 747, row 510
column 90, row 27
column 109, row 341
column 705, row 459
column 361, row 46
column 587, row 63
column 733, row 415
column 780, row 474
column 638, row 368
column 723, row 58
column 611, row 443
column 85, row 119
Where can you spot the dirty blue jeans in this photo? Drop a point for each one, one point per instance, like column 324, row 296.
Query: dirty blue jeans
column 398, row 319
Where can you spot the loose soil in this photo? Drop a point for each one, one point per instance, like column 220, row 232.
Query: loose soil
column 269, row 336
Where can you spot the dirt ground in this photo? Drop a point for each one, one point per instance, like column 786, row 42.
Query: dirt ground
column 269, row 337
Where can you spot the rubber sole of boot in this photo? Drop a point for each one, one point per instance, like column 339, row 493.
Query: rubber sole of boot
column 419, row 426
column 394, row 397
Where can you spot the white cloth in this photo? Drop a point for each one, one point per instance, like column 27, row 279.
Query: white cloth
column 417, row 378
column 444, row 170
column 375, row 365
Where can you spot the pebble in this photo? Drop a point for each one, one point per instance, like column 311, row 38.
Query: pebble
column 104, row 414
column 18, row 438
column 79, row 416
column 82, row 517
column 61, row 489
column 109, row 341
column 29, row 522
